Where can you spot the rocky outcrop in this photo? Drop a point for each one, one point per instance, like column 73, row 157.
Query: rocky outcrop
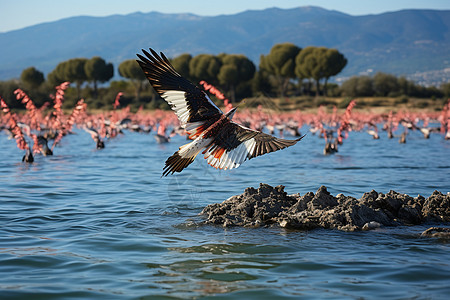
column 269, row 205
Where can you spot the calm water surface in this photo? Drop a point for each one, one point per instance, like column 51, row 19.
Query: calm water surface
column 88, row 224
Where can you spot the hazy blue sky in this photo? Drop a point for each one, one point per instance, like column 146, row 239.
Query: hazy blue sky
column 16, row 14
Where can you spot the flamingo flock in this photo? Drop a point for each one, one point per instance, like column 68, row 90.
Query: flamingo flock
column 335, row 129
column 37, row 127
column 39, row 131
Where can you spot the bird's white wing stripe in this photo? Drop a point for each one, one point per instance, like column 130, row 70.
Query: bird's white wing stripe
column 177, row 97
column 193, row 125
column 194, row 147
column 231, row 159
column 236, row 154
column 182, row 110
column 184, row 117
column 230, row 163
column 241, row 156
column 223, row 160
column 250, row 145
column 179, row 104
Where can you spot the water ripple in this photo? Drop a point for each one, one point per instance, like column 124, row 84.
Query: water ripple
column 93, row 224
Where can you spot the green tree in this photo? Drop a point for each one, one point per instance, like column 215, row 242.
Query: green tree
column 97, row 70
column 7, row 89
column 364, row 87
column 317, row 66
column 304, row 66
column 445, row 87
column 32, row 77
column 181, row 64
column 404, row 85
column 319, row 63
column 56, row 76
column 261, row 83
column 358, row 86
column 235, row 70
column 309, row 65
column 71, row 70
column 205, row 67
column 74, row 72
column 280, row 63
column 349, row 87
column 334, row 62
column 130, row 69
column 385, row 84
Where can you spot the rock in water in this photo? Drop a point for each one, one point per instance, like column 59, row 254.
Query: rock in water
column 439, row 232
column 269, row 205
column 254, row 207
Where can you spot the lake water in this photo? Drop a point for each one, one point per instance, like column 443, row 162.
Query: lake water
column 103, row 224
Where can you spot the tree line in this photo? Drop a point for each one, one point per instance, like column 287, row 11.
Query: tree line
column 388, row 85
column 287, row 70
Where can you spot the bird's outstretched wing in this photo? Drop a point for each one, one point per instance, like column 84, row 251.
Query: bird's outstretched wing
column 192, row 105
column 235, row 143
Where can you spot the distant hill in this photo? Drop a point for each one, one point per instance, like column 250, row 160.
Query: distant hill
column 403, row 42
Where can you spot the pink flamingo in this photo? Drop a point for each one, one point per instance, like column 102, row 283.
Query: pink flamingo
column 161, row 136
column 116, row 100
column 18, row 135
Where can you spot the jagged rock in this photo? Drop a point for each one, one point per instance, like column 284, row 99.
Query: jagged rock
column 436, row 208
column 267, row 206
column 322, row 199
column 253, row 207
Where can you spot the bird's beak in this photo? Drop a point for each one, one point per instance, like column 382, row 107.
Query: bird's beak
column 230, row 114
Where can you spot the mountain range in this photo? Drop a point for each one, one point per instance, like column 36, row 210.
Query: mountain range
column 404, row 42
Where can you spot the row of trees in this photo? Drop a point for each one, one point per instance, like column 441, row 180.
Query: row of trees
column 388, row 85
column 80, row 70
column 233, row 73
column 287, row 70
column 237, row 76
column 287, row 62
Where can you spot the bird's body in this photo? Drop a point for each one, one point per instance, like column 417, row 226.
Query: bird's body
column 402, row 139
column 428, row 130
column 224, row 143
column 28, row 157
column 374, row 134
column 96, row 137
column 43, row 146
column 161, row 139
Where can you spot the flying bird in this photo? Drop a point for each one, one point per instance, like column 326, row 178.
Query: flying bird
column 224, row 143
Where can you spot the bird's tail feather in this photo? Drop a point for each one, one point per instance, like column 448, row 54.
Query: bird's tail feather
column 177, row 163
column 184, row 156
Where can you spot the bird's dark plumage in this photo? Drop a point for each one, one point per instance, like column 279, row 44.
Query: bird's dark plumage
column 225, row 144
